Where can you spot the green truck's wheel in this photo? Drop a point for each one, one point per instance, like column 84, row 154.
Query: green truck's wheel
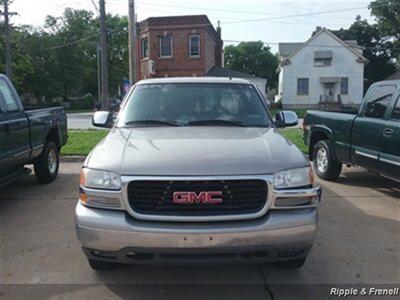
column 324, row 163
column 46, row 165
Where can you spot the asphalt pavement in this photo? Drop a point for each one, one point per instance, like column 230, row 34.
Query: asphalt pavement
column 358, row 242
column 80, row 120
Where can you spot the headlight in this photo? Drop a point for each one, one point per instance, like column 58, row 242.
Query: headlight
column 293, row 178
column 98, row 179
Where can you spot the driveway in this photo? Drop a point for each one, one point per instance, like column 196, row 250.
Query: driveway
column 80, row 120
column 358, row 242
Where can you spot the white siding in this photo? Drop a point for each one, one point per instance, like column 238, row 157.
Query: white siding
column 344, row 64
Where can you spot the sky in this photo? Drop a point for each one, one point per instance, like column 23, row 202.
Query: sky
column 271, row 21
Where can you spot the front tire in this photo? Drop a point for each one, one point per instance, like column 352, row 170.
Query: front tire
column 47, row 164
column 324, row 163
column 101, row 265
column 290, row 264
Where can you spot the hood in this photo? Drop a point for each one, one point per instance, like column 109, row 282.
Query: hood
column 191, row 151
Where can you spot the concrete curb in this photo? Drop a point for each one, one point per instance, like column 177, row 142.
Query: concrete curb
column 72, row 158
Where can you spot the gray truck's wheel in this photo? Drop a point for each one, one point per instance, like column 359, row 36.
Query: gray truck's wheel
column 46, row 165
column 101, row 265
column 324, row 163
column 290, row 264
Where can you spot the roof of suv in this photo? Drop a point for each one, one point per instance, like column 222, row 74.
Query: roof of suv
column 195, row 80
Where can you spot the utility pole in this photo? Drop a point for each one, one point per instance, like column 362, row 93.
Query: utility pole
column 7, row 15
column 98, row 71
column 132, row 42
column 104, row 60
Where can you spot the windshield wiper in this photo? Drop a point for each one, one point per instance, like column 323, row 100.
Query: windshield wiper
column 217, row 122
column 155, row 122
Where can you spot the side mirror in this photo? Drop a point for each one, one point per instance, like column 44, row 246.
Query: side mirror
column 286, row 118
column 102, row 119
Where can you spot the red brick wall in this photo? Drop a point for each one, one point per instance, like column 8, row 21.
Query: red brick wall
column 181, row 64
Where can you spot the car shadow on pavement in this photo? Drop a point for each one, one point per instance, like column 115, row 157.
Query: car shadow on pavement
column 29, row 188
column 358, row 177
column 185, row 282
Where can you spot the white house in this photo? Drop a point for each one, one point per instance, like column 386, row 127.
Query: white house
column 323, row 70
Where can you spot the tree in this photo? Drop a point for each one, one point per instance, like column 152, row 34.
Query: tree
column 59, row 60
column 387, row 14
column 369, row 36
column 253, row 58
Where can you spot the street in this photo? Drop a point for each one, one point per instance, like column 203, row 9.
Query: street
column 80, row 120
column 358, row 242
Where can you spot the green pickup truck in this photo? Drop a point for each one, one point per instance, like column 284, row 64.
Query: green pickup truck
column 370, row 138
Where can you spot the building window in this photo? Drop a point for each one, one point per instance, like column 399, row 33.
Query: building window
column 302, row 86
column 322, row 62
column 344, row 86
column 145, row 48
column 194, row 45
column 323, row 58
column 166, row 46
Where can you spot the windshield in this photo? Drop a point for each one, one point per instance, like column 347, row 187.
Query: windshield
column 195, row 104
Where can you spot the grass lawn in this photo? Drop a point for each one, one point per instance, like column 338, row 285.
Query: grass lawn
column 80, row 142
column 299, row 111
column 296, row 136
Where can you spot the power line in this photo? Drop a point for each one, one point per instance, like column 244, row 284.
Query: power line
column 303, row 15
column 295, row 15
column 207, row 8
column 70, row 43
column 307, row 45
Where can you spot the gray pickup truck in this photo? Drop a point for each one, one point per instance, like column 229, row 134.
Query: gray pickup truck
column 195, row 170
column 28, row 137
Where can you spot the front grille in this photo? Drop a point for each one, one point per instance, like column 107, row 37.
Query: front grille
column 155, row 197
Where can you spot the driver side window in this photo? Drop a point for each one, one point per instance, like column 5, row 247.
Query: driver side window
column 7, row 97
column 379, row 102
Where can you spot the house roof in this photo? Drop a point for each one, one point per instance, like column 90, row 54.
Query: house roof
column 285, row 49
column 291, row 49
column 394, row 76
column 177, row 20
column 216, row 71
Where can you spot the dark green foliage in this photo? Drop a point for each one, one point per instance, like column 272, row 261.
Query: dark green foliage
column 369, row 36
column 59, row 61
column 253, row 58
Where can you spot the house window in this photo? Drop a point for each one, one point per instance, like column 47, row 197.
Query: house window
column 322, row 62
column 194, row 45
column 145, row 48
column 323, row 58
column 344, row 86
column 166, row 46
column 302, row 86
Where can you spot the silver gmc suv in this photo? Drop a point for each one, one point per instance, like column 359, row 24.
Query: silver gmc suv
column 194, row 170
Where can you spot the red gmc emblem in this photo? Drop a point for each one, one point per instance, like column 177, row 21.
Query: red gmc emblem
column 213, row 197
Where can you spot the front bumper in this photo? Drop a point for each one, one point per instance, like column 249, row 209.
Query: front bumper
column 115, row 235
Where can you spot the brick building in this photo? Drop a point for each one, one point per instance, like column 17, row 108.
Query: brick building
column 177, row 46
